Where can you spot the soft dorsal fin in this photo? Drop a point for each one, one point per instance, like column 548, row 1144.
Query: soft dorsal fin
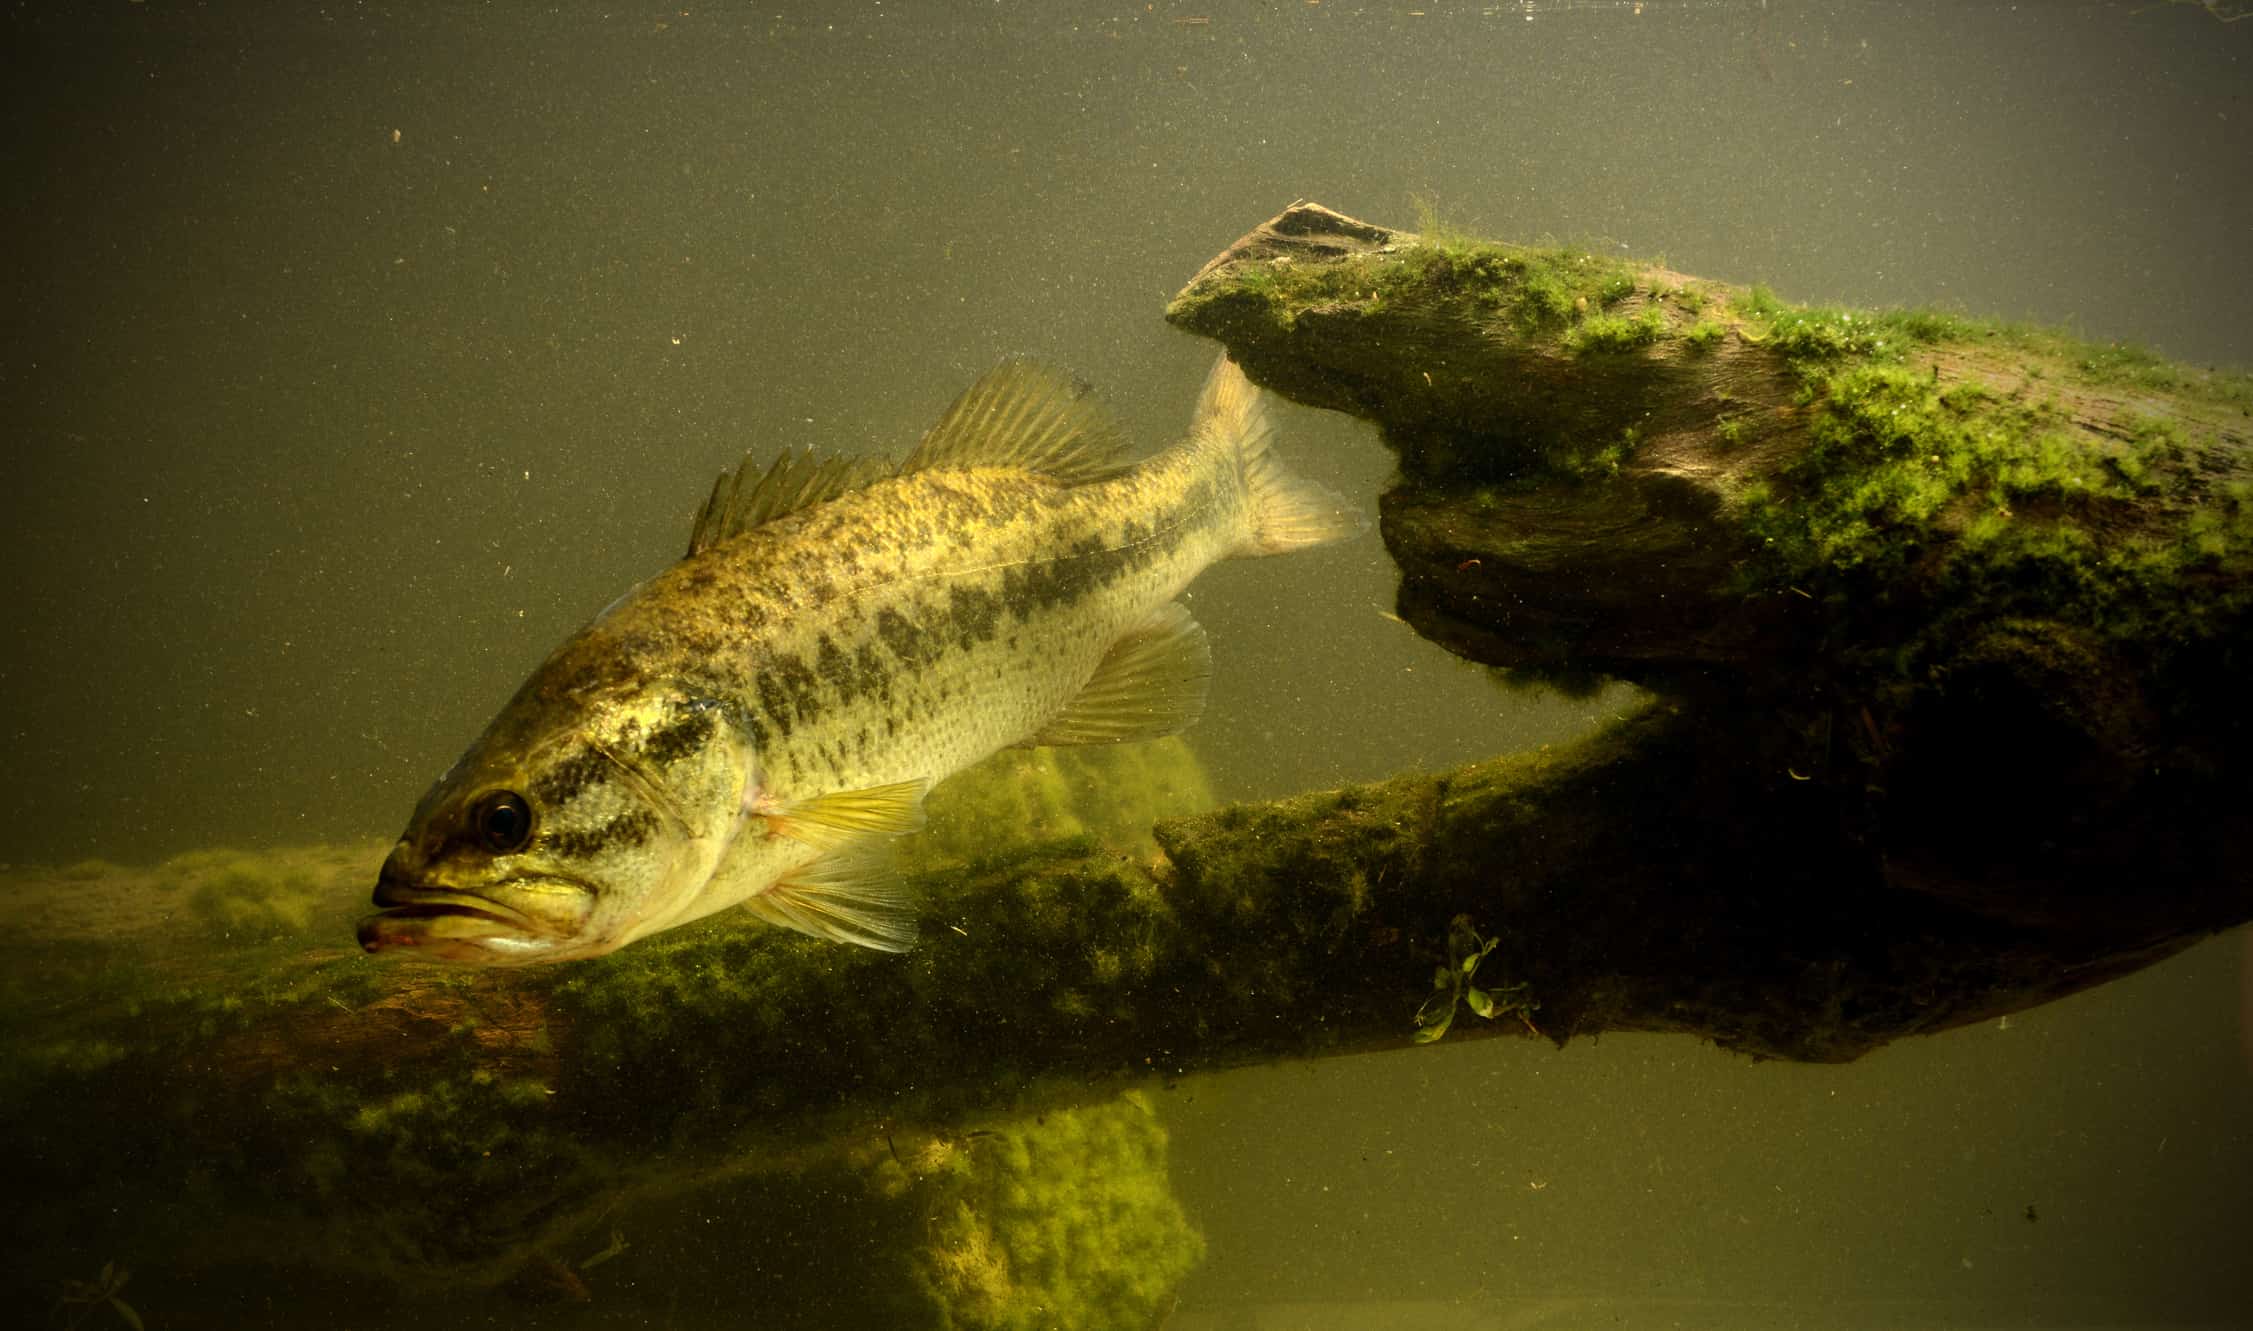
column 1021, row 414
column 795, row 481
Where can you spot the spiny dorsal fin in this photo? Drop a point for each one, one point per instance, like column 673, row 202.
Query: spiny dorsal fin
column 1021, row 414
column 795, row 481
column 1152, row 684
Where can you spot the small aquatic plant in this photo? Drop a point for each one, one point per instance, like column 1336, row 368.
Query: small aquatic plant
column 1452, row 986
column 82, row 1299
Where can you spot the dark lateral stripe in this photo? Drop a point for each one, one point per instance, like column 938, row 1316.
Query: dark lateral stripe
column 836, row 669
column 790, row 691
column 907, row 639
column 1087, row 566
column 774, row 704
column 875, row 680
column 974, row 613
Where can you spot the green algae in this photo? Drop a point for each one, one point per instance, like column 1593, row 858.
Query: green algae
column 1059, row 1219
column 680, row 1036
column 1948, row 459
column 1110, row 792
column 215, row 1053
column 726, row 1040
column 1613, row 333
column 1951, row 554
column 257, row 897
column 1531, row 289
column 1594, row 302
column 1985, row 501
column 413, row 1179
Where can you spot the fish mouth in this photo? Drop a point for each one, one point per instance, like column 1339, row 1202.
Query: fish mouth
column 443, row 924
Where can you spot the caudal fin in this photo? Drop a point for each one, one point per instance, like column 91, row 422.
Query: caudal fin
column 1286, row 512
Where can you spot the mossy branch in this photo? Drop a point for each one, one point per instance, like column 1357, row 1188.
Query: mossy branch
column 1614, row 467
column 1987, row 589
column 454, row 1124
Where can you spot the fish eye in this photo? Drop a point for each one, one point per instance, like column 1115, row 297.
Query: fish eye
column 501, row 821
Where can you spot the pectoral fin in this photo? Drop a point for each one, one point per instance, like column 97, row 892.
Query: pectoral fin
column 850, row 895
column 829, row 821
column 1151, row 684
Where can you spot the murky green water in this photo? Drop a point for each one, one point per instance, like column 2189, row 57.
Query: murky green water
column 358, row 354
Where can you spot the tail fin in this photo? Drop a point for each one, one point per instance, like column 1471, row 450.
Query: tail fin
column 1285, row 512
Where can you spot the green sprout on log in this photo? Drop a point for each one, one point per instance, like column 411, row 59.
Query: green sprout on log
column 81, row 1299
column 1452, row 986
column 618, row 1245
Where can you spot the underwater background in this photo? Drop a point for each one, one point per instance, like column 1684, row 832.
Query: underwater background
column 357, row 354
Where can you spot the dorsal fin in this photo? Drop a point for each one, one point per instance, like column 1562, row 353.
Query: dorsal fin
column 1018, row 414
column 795, row 481
column 1022, row 414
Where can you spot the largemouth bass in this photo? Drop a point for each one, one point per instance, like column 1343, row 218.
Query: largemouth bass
column 753, row 725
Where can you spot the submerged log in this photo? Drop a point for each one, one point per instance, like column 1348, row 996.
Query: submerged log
column 440, row 1127
column 1643, row 462
column 1990, row 588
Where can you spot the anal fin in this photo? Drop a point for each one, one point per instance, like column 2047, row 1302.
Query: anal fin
column 849, row 895
column 1152, row 684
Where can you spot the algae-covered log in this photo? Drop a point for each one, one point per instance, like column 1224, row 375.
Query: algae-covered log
column 232, row 1101
column 1988, row 587
column 1615, row 467
column 204, row 1083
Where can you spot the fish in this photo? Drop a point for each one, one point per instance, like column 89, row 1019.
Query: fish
column 755, row 725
